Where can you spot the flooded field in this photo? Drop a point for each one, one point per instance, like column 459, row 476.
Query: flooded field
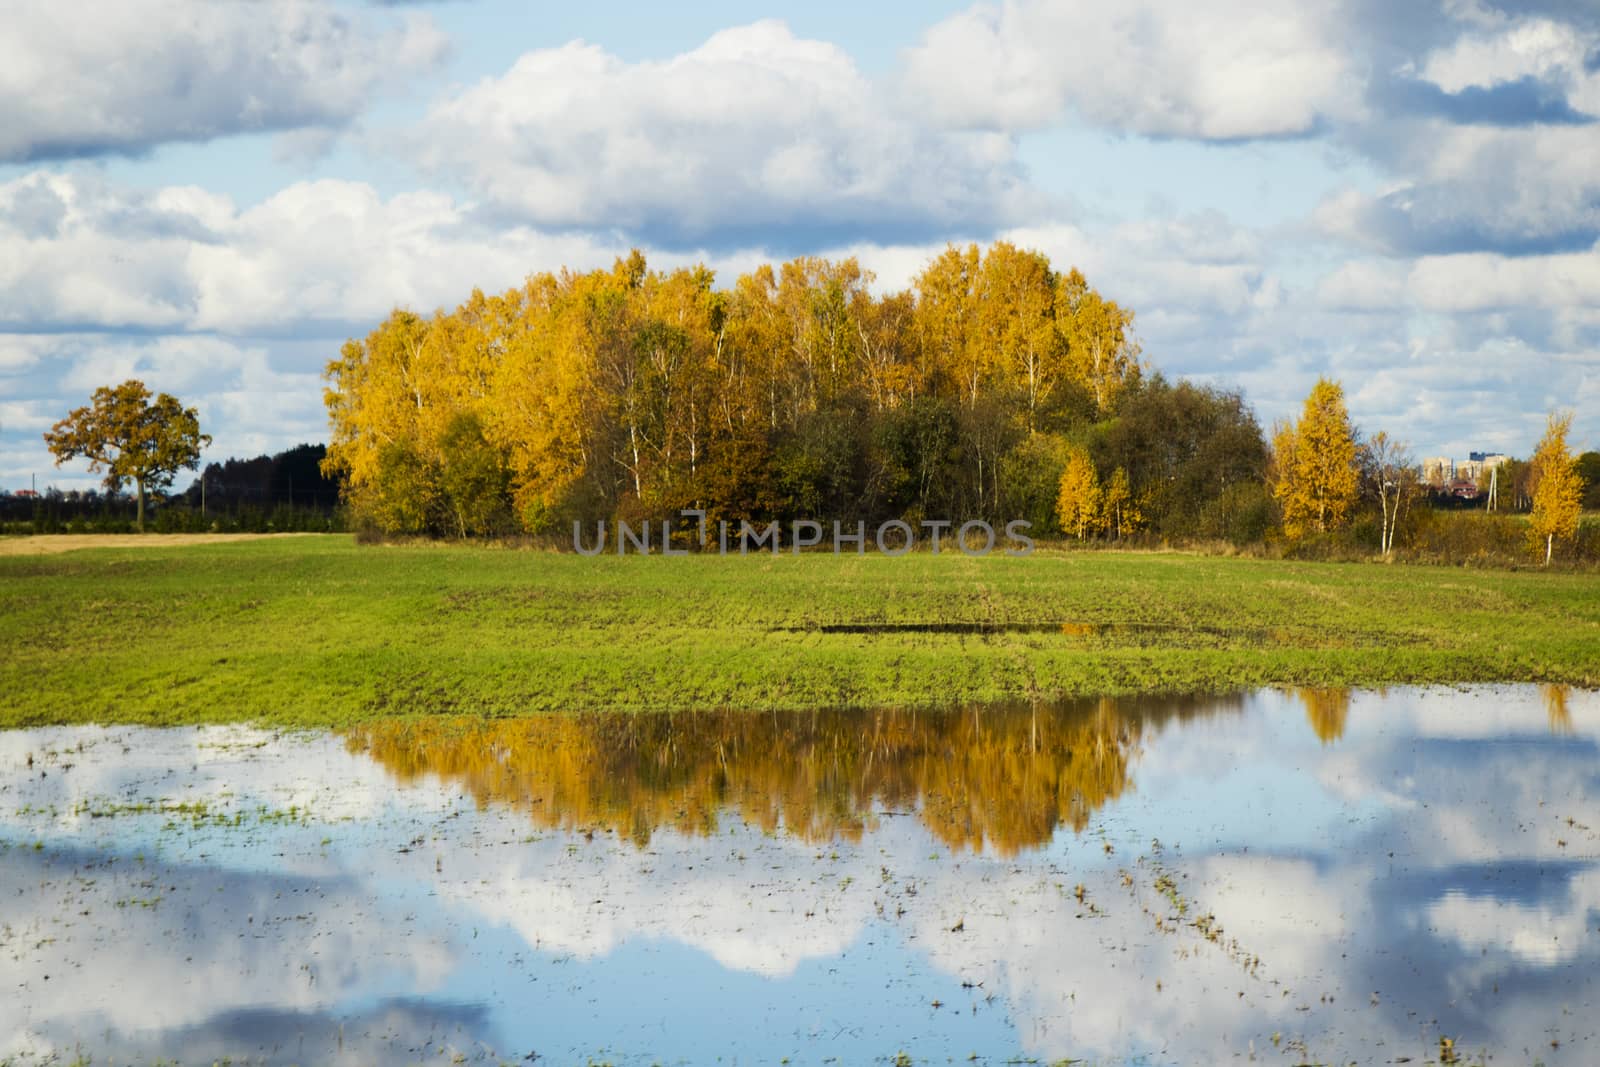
column 1289, row 877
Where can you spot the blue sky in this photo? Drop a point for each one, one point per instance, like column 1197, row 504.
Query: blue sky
column 212, row 197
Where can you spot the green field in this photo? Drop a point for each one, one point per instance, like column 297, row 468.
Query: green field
column 318, row 631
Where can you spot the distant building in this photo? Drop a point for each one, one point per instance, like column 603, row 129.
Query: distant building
column 1439, row 471
column 1469, row 470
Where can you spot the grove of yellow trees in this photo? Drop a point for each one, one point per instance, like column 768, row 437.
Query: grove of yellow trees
column 797, row 390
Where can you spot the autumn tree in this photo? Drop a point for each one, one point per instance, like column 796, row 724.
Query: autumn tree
column 1101, row 350
column 1016, row 325
column 1314, row 465
column 131, row 438
column 1388, row 473
column 1120, row 513
column 1558, row 488
column 1080, row 503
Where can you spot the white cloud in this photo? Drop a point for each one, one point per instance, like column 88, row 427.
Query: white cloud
column 126, row 76
column 1475, row 188
column 1470, row 282
column 85, row 253
column 754, row 133
column 1509, row 51
column 1164, row 68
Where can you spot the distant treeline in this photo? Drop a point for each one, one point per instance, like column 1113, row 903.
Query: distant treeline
column 796, row 393
column 284, row 492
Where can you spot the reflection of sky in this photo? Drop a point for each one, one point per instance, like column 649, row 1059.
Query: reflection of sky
column 1437, row 862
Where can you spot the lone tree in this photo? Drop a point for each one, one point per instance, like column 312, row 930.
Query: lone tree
column 130, row 438
column 1558, row 488
column 1314, row 464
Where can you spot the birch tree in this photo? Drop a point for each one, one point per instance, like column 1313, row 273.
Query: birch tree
column 1558, row 489
column 1390, row 474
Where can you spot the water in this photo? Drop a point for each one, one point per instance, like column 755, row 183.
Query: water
column 1301, row 877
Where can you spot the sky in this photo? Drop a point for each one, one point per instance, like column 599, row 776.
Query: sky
column 213, row 197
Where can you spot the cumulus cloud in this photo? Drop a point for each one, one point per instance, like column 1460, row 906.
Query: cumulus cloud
column 1163, row 68
column 751, row 136
column 1483, row 116
column 1524, row 190
column 1507, row 51
column 85, row 253
column 132, row 75
column 1470, row 282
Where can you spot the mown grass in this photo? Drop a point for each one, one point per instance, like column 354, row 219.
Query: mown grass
column 318, row 631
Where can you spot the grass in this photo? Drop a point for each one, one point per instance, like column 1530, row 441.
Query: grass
column 316, row 631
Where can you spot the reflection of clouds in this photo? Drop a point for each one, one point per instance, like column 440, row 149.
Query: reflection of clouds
column 1493, row 711
column 227, row 768
column 1479, row 780
column 765, row 913
column 1549, row 931
column 384, row 1034
column 1410, row 870
column 1111, row 984
column 96, row 941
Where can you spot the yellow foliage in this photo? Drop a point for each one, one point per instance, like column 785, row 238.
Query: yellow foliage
column 1314, row 469
column 1101, row 350
column 1120, row 511
column 1557, row 709
column 999, row 778
column 1080, row 504
column 1327, row 710
column 636, row 391
column 1558, row 489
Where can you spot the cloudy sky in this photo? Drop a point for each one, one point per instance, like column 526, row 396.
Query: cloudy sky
column 213, row 196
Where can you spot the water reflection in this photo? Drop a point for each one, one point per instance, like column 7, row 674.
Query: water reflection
column 1291, row 876
column 1326, row 710
column 1555, row 706
column 998, row 777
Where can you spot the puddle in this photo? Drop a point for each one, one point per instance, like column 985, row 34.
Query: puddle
column 1300, row 877
column 1055, row 629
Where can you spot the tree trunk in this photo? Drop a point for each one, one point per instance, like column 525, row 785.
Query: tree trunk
column 1549, row 547
column 139, row 519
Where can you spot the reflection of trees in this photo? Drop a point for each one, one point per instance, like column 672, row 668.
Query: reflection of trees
column 1555, row 706
column 1327, row 710
column 1005, row 777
